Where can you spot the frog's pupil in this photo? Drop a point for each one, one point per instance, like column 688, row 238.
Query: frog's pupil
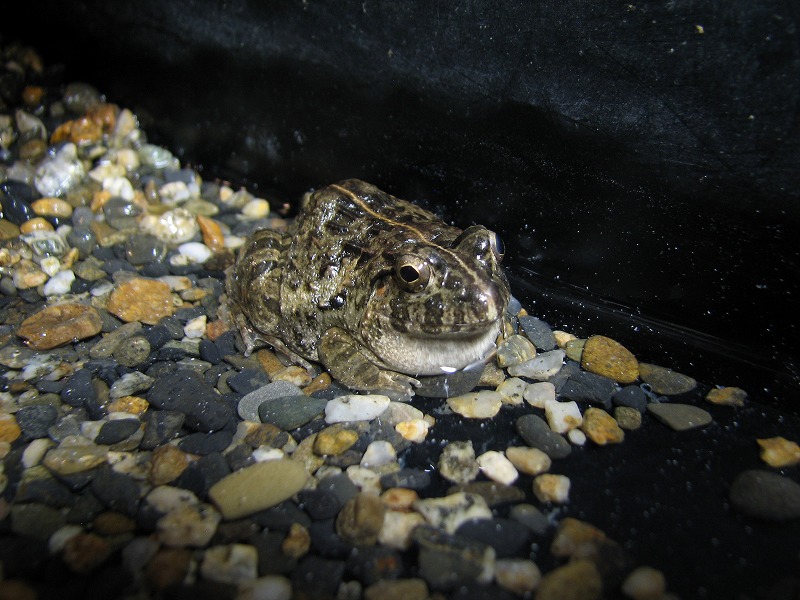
column 409, row 273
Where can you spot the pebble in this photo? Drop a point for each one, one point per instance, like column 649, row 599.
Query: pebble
column 608, row 358
column 766, row 495
column 518, row 576
column 537, row 434
column 35, row 420
column 398, row 527
column 114, row 431
column 449, row 384
column 562, row 416
column 538, row 332
column 187, row 392
column 360, row 520
column 234, row 563
column 188, row 526
column 355, row 408
column 531, row 517
column 631, row 396
column 69, row 460
column 537, row 394
column 512, row 390
column 680, row 417
column 269, row 587
column 530, row 461
column 457, row 463
column 397, row 589
column 379, row 453
column 551, row 488
column 601, row 428
column 644, row 583
column 290, row 412
column 779, row 452
column 450, row 511
column 334, row 441
column 476, row 405
column 140, row 299
column 59, row 324
column 275, row 480
column 495, row 466
column 446, row 561
column 588, row 387
column 727, row 396
column 665, row 381
column 577, row 580
column 543, row 367
column 130, row 384
column 628, row 418
column 9, row 429
column 515, row 349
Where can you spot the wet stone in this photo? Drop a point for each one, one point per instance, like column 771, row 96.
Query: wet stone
column 130, row 384
column 542, row 367
column 414, row 479
column 132, row 351
column 35, row 420
column 680, row 417
column 601, row 428
column 114, row 431
column 628, row 418
column 515, row 349
column 160, row 426
column 531, row 517
column 504, row 535
column 537, row 434
column 116, row 491
column 317, row 577
column 538, row 332
column 360, row 520
column 140, row 299
column 588, row 387
column 446, row 561
column 142, row 249
column 187, row 392
column 665, row 381
column 449, row 385
column 577, row 580
column 291, row 412
column 457, row 463
column 36, row 520
column 727, row 396
column 248, row 380
column 631, row 396
column 779, row 452
column 60, row 324
column 371, row 564
column 203, row 443
column 766, row 495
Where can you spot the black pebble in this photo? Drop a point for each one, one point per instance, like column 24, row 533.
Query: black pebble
column 504, row 535
column 632, row 396
column 205, row 443
column 281, row 516
column 209, row 352
column 248, row 380
column 271, row 559
column 155, row 269
column 187, row 392
column 226, row 343
column 116, row 491
column 537, row 434
column 320, row 504
column 326, row 541
column 34, row 420
column 160, row 426
column 15, row 200
column 202, row 473
column 117, row 430
column 588, row 387
column 370, row 564
column 45, row 490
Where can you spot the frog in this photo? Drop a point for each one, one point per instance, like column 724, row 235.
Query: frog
column 377, row 290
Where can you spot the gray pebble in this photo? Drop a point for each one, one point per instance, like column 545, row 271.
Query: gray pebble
column 132, row 352
column 248, row 405
column 290, row 412
column 538, row 332
column 537, row 434
column 766, row 495
column 35, row 420
column 450, row 385
column 680, row 417
column 36, row 520
column 130, row 384
column 143, row 248
column 631, row 396
column 121, row 214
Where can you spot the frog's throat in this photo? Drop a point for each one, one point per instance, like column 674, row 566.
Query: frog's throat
column 426, row 355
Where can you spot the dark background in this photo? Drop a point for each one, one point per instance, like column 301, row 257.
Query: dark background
column 639, row 160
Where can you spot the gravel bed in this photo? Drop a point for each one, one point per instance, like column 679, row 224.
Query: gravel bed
column 143, row 455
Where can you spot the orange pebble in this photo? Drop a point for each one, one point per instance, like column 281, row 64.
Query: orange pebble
column 212, row 233
column 35, row 224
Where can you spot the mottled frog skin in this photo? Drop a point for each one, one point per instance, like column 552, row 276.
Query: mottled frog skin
column 375, row 288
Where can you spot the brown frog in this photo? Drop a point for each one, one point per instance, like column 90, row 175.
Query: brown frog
column 375, row 288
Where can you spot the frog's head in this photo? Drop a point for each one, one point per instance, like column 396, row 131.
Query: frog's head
column 441, row 307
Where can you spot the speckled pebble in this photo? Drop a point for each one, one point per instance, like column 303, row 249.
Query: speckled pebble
column 477, row 405
column 665, row 381
column 457, row 462
column 727, row 396
column 551, row 488
column 680, row 417
column 450, row 511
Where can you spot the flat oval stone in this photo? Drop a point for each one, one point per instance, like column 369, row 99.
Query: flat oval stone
column 537, row 434
column 665, row 381
column 607, row 357
column 257, row 487
column 766, row 495
column 680, row 417
column 60, row 324
column 291, row 412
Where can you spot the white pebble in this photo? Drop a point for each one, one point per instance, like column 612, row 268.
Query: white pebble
column 128, row 159
column 106, row 171
column 644, row 583
column 232, row 242
column 399, row 412
column 367, row 480
column 544, row 366
column 449, row 512
column 195, row 251
column 256, row 209
column 195, row 328
column 119, row 186
column 397, row 529
column 59, row 284
column 232, row 563
column 265, row 453
column 51, row 265
column 562, row 416
column 512, row 390
column 102, row 288
column 517, row 575
column 497, row 467
column 378, row 454
column 536, row 394
column 355, row 407
column 269, row 587
column 33, row 454
column 476, row 405
column 576, row 437
column 90, row 429
column 56, row 175
column 174, row 193
column 176, row 283
column 166, row 498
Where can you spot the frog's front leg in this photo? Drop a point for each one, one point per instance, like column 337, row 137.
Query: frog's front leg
column 344, row 358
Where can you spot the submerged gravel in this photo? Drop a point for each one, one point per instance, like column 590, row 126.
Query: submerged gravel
column 144, row 456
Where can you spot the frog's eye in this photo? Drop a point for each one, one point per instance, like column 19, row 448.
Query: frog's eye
column 498, row 247
column 412, row 273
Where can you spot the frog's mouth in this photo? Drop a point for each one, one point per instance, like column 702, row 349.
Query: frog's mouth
column 427, row 353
